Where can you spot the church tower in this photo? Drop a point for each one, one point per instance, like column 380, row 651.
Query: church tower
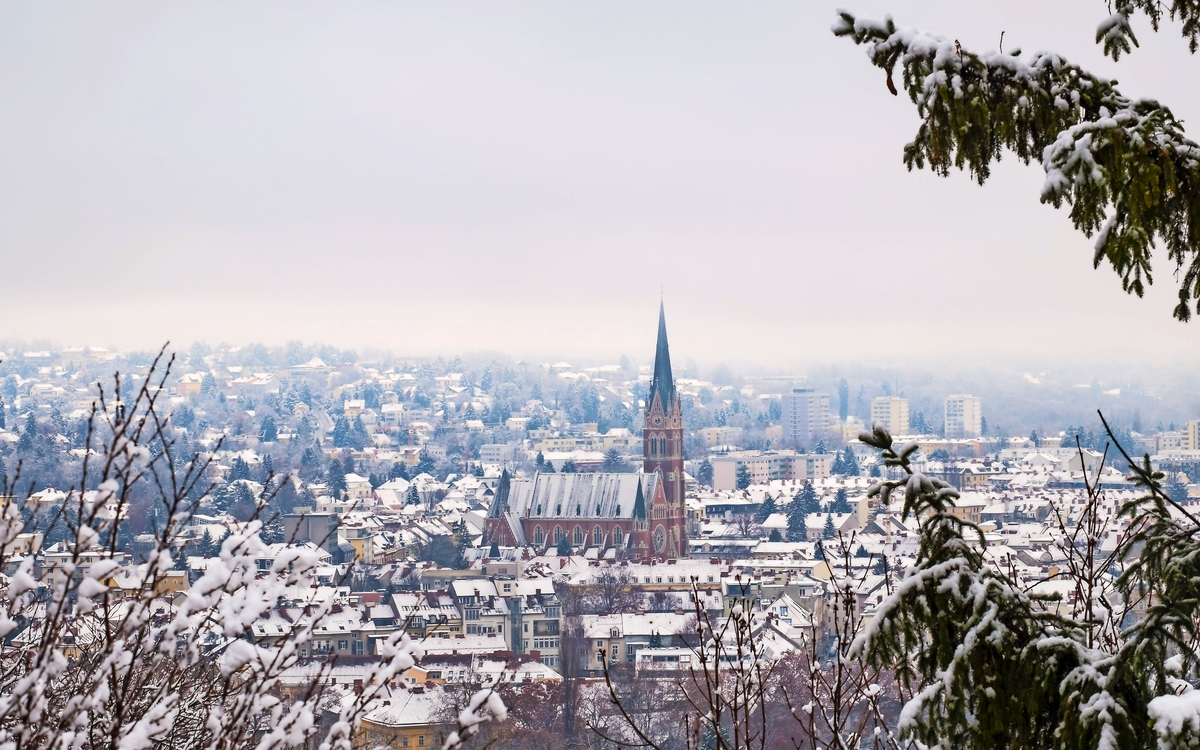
column 662, row 451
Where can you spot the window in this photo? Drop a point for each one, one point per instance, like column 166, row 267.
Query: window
column 357, row 649
column 653, row 447
column 558, row 534
column 597, row 536
column 420, row 740
column 537, row 535
column 343, row 645
column 578, row 536
column 404, row 741
column 618, row 537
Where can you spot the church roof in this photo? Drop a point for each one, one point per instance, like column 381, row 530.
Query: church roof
column 663, row 382
column 593, row 496
column 500, row 500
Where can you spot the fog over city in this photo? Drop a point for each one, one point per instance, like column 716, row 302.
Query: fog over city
column 526, row 179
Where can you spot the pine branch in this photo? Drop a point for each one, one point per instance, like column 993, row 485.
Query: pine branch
column 1116, row 32
column 1123, row 166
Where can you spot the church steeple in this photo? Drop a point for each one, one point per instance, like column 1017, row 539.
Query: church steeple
column 662, row 453
column 663, row 383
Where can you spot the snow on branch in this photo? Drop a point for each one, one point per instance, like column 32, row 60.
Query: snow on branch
column 1123, row 165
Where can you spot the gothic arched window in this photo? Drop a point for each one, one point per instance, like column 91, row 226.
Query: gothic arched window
column 537, row 536
column 558, row 534
column 578, row 536
column 597, row 536
column 618, row 537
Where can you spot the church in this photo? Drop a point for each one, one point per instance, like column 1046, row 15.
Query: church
column 619, row 516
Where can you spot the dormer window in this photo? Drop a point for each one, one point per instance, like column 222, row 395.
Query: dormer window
column 618, row 511
column 597, row 508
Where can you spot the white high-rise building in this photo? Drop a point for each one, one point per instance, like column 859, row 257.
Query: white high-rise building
column 805, row 414
column 890, row 413
column 964, row 416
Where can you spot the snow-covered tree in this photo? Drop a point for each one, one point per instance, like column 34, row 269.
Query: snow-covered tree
column 1121, row 164
column 93, row 669
column 991, row 664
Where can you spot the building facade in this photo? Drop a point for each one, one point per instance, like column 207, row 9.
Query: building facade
column 964, row 416
column 805, row 414
column 890, row 413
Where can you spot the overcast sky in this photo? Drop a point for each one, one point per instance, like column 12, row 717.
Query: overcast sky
column 526, row 178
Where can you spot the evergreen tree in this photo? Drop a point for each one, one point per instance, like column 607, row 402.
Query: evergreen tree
column 28, row 435
column 3, row 422
column 882, row 567
column 398, row 471
column 797, row 526
column 766, row 509
column 341, row 433
column 568, row 466
column 704, row 475
column 357, row 437
column 239, row 469
column 412, row 497
column 1176, row 487
column 743, row 476
column 613, row 461
column 808, row 499
column 426, row 464
column 775, row 536
column 841, row 501
column 335, row 478
column 1121, row 163
column 861, row 552
column 267, row 431
column 828, row 531
column 874, row 472
column 820, row 447
column 563, row 548
column 850, row 463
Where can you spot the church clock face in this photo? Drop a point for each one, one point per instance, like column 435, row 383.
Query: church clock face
column 660, row 539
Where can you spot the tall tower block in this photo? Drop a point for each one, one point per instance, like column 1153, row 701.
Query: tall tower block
column 662, row 451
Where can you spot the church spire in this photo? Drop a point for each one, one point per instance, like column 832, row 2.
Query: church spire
column 663, row 382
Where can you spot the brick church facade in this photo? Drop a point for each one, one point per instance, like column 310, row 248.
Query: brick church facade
column 605, row 515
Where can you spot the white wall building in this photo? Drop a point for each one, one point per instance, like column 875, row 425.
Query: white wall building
column 890, row 413
column 805, row 414
column 964, row 416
